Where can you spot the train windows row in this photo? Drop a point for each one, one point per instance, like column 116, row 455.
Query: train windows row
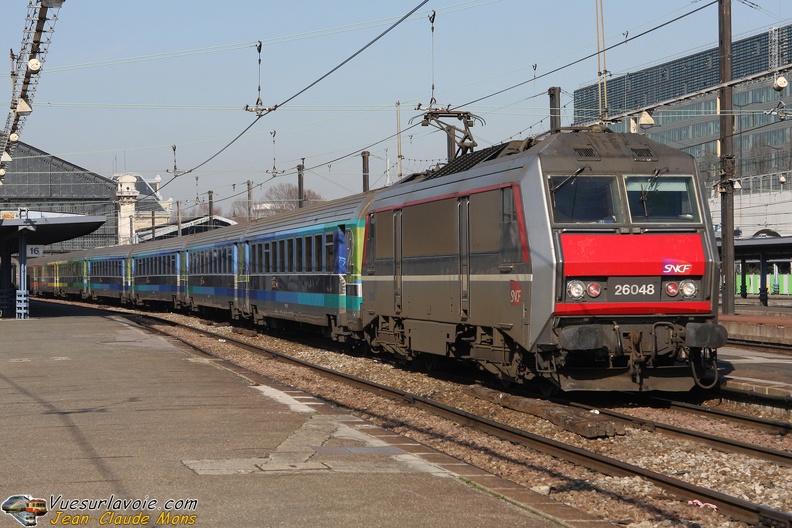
column 71, row 269
column 310, row 254
column 219, row 260
column 107, row 268
column 303, row 254
column 155, row 265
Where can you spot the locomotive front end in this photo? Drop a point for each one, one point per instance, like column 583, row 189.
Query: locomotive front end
column 635, row 272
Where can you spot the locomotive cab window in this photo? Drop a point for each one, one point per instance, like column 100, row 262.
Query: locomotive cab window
column 577, row 198
column 662, row 198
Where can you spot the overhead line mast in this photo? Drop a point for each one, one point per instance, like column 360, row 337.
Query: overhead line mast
column 25, row 68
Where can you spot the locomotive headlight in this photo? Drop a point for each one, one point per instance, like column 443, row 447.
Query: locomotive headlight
column 688, row 289
column 594, row 289
column 576, row 289
column 672, row 289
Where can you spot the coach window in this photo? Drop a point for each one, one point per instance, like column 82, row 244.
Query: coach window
column 309, row 259
column 309, row 254
column 350, row 252
column 371, row 242
column 317, row 241
column 281, row 256
column 256, row 256
column 267, row 265
column 299, row 257
column 329, row 253
column 290, row 255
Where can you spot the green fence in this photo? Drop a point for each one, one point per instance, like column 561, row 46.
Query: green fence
column 777, row 284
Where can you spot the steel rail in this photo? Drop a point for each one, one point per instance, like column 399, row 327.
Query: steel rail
column 766, row 424
column 728, row 445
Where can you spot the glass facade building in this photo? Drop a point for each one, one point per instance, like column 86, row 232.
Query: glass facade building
column 682, row 98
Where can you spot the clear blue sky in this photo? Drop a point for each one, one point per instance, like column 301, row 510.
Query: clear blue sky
column 124, row 81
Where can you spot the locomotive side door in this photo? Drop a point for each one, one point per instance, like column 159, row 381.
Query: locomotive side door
column 397, row 260
column 464, row 257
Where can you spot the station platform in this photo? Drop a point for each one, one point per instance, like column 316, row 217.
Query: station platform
column 101, row 420
column 763, row 373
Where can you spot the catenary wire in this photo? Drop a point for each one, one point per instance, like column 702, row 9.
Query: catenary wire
column 320, row 79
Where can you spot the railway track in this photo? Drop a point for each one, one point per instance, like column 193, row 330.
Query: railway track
column 727, row 445
column 766, row 424
column 734, row 507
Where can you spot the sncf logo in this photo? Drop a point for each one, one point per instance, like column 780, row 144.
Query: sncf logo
column 675, row 267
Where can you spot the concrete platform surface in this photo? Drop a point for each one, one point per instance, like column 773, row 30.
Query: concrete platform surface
column 113, row 426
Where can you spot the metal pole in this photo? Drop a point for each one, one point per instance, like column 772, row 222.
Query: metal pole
column 178, row 218
column 211, row 210
column 365, row 155
column 398, row 144
column 555, row 109
column 249, row 200
column 300, row 188
column 22, row 298
column 726, row 186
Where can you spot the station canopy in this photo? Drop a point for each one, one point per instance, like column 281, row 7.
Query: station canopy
column 46, row 227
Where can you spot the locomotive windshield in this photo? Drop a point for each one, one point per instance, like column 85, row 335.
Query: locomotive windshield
column 651, row 198
column 580, row 199
column 666, row 199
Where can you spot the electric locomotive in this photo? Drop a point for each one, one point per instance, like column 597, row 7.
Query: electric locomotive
column 586, row 260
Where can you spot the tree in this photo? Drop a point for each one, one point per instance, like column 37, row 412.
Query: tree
column 284, row 197
column 239, row 211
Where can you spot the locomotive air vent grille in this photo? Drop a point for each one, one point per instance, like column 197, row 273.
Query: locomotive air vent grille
column 643, row 154
column 586, row 152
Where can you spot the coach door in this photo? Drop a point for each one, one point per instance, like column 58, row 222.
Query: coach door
column 397, row 260
column 243, row 274
column 464, row 257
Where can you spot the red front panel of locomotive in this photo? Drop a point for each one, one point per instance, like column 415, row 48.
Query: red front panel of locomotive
column 633, row 274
